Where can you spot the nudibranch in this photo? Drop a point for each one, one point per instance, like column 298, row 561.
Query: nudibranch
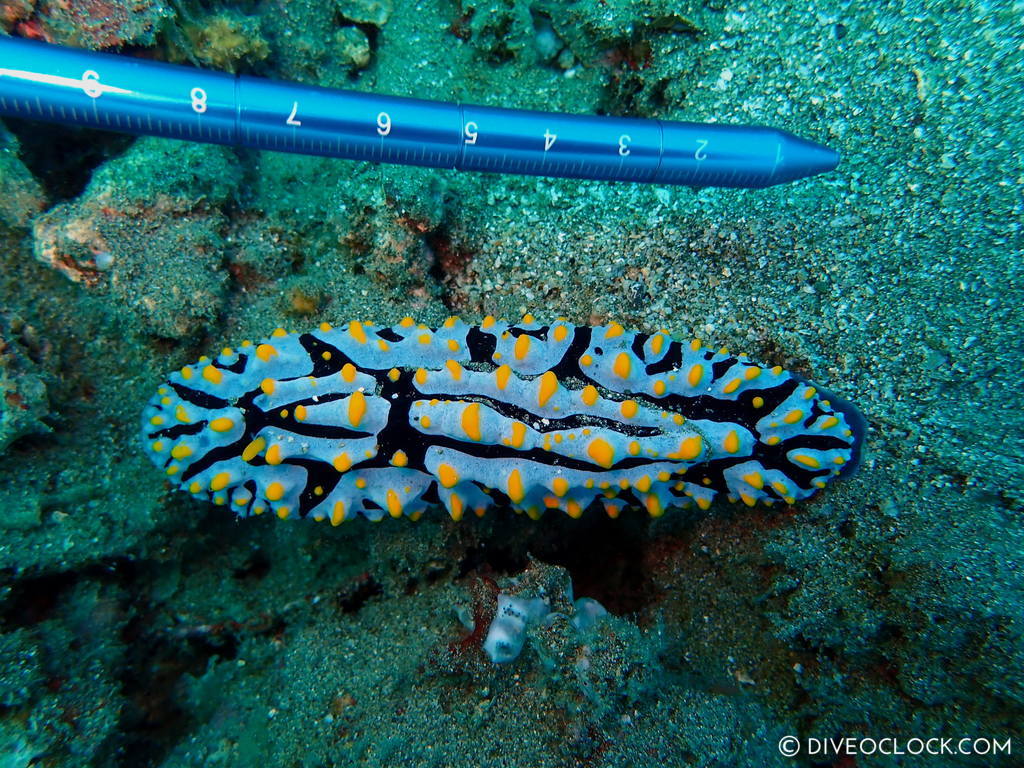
column 390, row 421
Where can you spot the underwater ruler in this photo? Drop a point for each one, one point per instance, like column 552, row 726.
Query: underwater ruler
column 39, row 81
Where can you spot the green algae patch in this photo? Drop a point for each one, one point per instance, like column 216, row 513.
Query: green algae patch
column 228, row 41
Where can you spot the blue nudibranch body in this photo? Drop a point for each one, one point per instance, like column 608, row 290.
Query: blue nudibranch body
column 380, row 421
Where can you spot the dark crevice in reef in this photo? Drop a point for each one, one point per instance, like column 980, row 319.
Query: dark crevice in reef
column 161, row 651
column 154, row 656
column 152, row 720
column 63, row 158
column 357, row 594
column 604, row 557
column 496, row 557
column 31, row 600
column 155, row 652
column 254, row 569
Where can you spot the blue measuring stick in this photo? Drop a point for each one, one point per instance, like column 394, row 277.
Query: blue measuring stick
column 39, row 81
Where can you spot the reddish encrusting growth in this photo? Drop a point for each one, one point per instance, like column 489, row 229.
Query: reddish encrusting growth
column 484, row 591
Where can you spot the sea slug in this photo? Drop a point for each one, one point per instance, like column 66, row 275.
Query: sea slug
column 506, row 635
column 378, row 421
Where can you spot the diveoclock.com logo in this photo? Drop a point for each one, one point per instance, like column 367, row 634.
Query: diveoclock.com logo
column 847, row 746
